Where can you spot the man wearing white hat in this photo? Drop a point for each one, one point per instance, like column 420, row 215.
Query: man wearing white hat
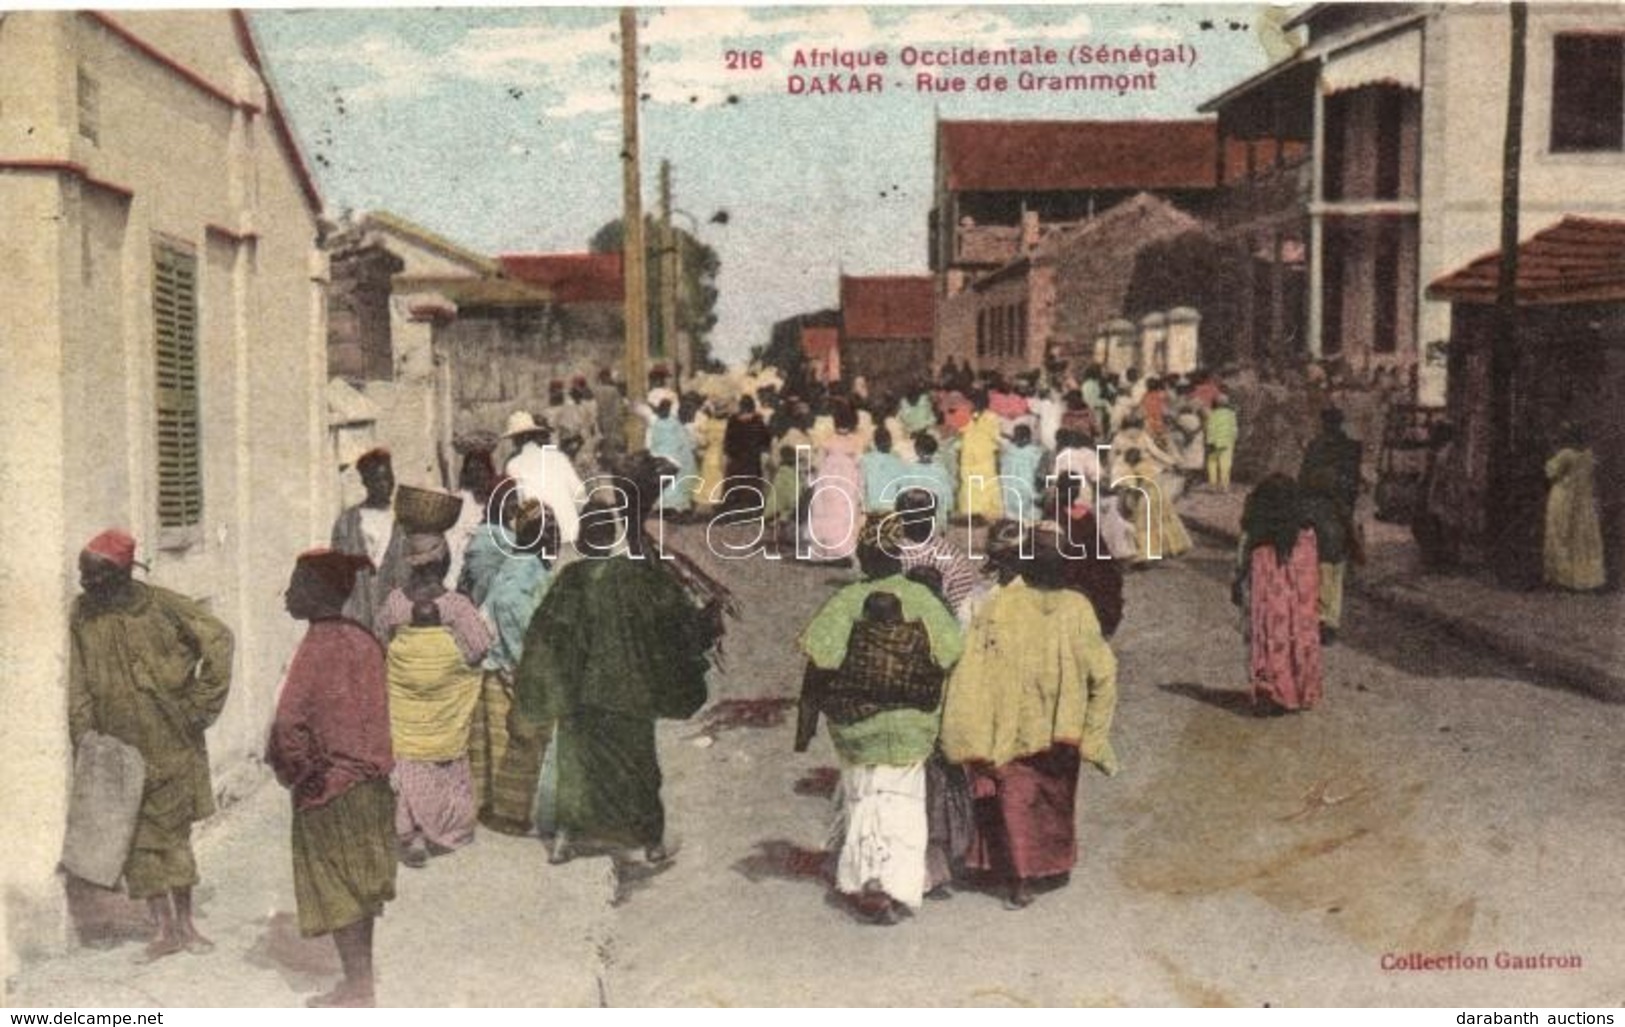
column 544, row 473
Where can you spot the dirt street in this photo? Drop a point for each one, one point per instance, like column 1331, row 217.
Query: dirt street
column 1439, row 803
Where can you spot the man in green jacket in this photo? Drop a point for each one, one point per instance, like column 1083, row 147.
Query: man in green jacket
column 152, row 669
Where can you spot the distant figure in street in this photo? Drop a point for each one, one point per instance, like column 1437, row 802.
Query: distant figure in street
column 474, row 484
column 877, row 652
column 931, row 473
column 586, row 405
column 1330, row 480
column 784, row 499
column 330, row 747
column 610, row 405
column 709, row 433
column 925, row 544
column 1031, row 700
column 507, row 750
column 368, row 529
column 883, row 473
column 615, row 645
column 745, row 445
column 150, row 668
column 544, row 473
column 669, row 440
column 1277, row 588
column 1088, row 571
column 491, row 541
column 1018, row 475
column 1572, row 548
column 1159, row 533
column 434, row 684
column 979, row 497
column 1222, row 431
column 835, row 509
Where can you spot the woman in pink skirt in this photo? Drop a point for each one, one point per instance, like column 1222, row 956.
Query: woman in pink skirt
column 1279, row 583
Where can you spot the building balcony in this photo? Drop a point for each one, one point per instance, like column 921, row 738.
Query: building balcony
column 1271, row 193
column 987, row 245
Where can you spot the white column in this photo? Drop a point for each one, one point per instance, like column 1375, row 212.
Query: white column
column 1317, row 226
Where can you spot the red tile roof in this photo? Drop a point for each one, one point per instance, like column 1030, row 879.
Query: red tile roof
column 570, row 277
column 1054, row 156
column 888, row 307
column 1577, row 260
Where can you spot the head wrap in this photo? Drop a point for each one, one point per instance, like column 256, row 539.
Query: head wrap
column 426, row 548
column 376, row 455
column 1274, row 514
column 334, row 569
column 881, row 536
column 1035, row 552
column 114, row 545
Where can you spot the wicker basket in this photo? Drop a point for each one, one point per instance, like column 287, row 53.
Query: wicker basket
column 426, row 511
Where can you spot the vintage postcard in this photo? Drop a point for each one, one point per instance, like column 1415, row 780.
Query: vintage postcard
column 1105, row 505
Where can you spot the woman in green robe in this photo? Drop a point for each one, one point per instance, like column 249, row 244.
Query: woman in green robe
column 616, row 645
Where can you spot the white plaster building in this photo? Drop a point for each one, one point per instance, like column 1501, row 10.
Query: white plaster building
column 165, row 363
column 1384, row 135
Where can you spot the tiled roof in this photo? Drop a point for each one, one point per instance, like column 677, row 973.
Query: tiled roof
column 570, row 277
column 887, row 307
column 1577, row 260
column 1054, row 156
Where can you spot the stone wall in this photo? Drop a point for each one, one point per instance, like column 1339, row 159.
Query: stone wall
column 502, row 359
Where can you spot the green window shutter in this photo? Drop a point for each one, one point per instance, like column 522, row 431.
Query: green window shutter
column 180, row 464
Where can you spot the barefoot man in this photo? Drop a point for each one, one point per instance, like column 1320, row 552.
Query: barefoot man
column 151, row 668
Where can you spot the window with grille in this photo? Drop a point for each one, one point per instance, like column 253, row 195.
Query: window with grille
column 180, row 465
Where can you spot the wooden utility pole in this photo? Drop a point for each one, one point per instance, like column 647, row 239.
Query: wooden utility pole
column 1514, row 546
column 669, row 272
column 632, row 244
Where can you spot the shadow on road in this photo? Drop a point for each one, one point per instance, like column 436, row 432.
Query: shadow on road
column 104, row 917
column 819, row 782
column 786, row 861
column 1227, row 699
column 632, row 876
column 303, row 963
column 731, row 714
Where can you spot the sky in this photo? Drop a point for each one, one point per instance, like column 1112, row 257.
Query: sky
column 500, row 127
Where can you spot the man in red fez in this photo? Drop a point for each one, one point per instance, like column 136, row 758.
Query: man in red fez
column 152, row 669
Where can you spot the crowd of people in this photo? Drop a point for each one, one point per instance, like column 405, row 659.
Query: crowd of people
column 504, row 667
column 816, row 461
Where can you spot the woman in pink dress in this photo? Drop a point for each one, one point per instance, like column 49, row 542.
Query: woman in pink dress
column 835, row 515
column 1279, row 574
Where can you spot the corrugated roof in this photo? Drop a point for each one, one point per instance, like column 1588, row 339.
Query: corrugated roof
column 570, row 277
column 1056, row 156
column 1577, row 260
column 887, row 307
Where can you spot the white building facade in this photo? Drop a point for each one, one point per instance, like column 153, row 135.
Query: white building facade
column 165, row 362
